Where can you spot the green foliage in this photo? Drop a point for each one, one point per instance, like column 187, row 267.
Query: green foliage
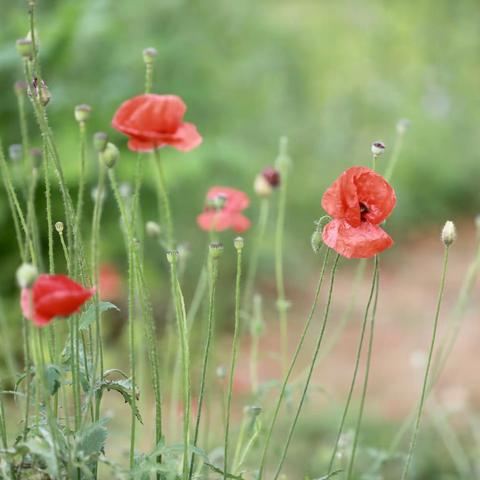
column 88, row 316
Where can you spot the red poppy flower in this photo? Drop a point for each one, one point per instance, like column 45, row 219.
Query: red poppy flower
column 223, row 210
column 359, row 200
column 153, row 121
column 53, row 296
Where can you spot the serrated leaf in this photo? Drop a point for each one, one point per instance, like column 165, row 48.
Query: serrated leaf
column 124, row 387
column 53, row 377
column 91, row 439
column 89, row 315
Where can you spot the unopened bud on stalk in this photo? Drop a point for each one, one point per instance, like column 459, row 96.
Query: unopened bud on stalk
column 378, row 148
column 172, row 256
column 239, row 243
column 20, row 87
column 100, row 140
column 449, row 233
column 110, row 155
column 82, row 113
column 59, row 227
column 26, row 275
column 266, row 181
column 36, row 157
column 15, row 152
column 316, row 240
column 221, row 372
column 25, row 48
column 215, row 249
column 149, row 55
column 153, row 229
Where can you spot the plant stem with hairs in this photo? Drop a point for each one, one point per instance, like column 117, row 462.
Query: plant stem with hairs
column 163, row 201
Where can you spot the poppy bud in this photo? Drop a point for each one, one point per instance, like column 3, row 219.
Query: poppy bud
column 25, row 48
column 15, row 152
column 215, row 249
column 266, row 181
column 59, row 227
column 26, row 275
column 378, row 148
column 100, row 140
column 153, row 229
column 82, row 112
column 19, row 87
column 149, row 55
column 239, row 243
column 449, row 233
column 221, row 372
column 402, row 125
column 110, row 155
column 316, row 240
column 36, row 157
column 172, row 256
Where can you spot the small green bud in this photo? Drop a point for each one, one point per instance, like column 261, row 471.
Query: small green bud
column 449, row 233
column 316, row 240
column 36, row 157
column 378, row 147
column 172, row 256
column 26, row 275
column 100, row 140
column 82, row 112
column 110, row 155
column 25, row 48
column 239, row 243
column 216, row 249
column 15, row 152
column 59, row 227
column 149, row 55
column 153, row 229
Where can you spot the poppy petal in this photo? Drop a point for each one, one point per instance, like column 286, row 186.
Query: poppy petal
column 212, row 220
column 364, row 241
column 240, row 223
column 186, row 138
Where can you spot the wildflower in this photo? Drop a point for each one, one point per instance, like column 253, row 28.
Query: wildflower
column 449, row 233
column 359, row 200
column 153, row 121
column 378, row 148
column 266, row 181
column 223, row 210
column 53, row 296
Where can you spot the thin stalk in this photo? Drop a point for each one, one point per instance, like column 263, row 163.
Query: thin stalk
column 423, row 396
column 213, row 274
column 355, row 373
column 367, row 372
column 81, row 179
column 22, row 114
column 312, row 367
column 27, row 361
column 255, row 333
column 236, row 330
column 291, row 367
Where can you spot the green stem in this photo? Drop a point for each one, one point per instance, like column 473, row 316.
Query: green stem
column 81, row 180
column 312, row 367
column 291, row 367
column 427, row 370
column 239, row 248
column 367, row 371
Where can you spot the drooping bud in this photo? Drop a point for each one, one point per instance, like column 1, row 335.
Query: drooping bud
column 100, row 140
column 378, row 147
column 15, row 152
column 215, row 249
column 449, row 233
column 149, row 55
column 316, row 240
column 26, row 275
column 36, row 156
column 82, row 113
column 239, row 243
column 153, row 229
column 59, row 227
column 110, row 155
column 25, row 48
column 266, row 181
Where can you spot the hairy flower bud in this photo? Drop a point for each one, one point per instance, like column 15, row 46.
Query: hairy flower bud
column 26, row 275
column 239, row 243
column 449, row 233
column 215, row 249
column 149, row 55
column 82, row 112
column 100, row 140
column 110, row 155
column 316, row 240
column 59, row 227
column 378, row 148
column 25, row 48
column 266, row 181
column 15, row 152
column 153, row 229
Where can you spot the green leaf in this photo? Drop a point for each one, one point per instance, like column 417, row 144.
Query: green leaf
column 91, row 439
column 124, row 387
column 89, row 315
column 221, row 472
column 53, row 378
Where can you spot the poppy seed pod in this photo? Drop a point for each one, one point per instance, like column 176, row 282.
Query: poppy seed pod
column 378, row 148
column 149, row 55
column 26, row 275
column 36, row 157
column 172, row 256
column 25, row 47
column 82, row 112
column 15, row 152
column 59, row 227
column 215, row 249
column 100, row 140
column 449, row 233
column 110, row 155
column 239, row 243
column 153, row 229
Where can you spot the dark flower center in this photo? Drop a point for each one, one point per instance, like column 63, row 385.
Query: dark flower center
column 363, row 211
